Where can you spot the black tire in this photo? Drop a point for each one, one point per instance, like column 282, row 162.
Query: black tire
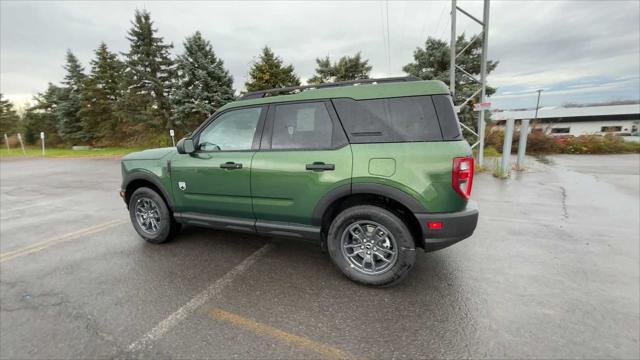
column 400, row 234
column 165, row 224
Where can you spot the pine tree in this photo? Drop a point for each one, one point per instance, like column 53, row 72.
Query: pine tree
column 43, row 115
column 150, row 73
column 432, row 63
column 203, row 84
column 324, row 71
column 347, row 68
column 70, row 102
column 9, row 119
column 103, row 90
column 269, row 73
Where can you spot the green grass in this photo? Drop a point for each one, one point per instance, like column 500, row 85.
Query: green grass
column 34, row 151
column 489, row 151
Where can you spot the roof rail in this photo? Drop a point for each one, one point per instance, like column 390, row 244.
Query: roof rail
column 264, row 93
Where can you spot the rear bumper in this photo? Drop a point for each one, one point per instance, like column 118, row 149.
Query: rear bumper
column 455, row 227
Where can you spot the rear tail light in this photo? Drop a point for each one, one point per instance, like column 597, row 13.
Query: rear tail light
column 462, row 176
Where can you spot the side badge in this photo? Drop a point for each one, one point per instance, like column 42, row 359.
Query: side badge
column 182, row 185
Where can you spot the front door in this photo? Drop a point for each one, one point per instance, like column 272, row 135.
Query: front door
column 304, row 155
column 215, row 180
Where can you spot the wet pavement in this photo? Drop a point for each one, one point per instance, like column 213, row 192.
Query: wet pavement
column 551, row 272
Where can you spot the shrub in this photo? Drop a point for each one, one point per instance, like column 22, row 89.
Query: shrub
column 537, row 142
column 541, row 143
column 495, row 139
column 594, row 144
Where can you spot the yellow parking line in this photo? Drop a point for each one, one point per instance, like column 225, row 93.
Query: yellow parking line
column 9, row 255
column 324, row 350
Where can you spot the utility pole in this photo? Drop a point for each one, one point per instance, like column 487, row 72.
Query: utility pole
column 483, row 69
column 537, row 105
column 452, row 46
column 483, row 79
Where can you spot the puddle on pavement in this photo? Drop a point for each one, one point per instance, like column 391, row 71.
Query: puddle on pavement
column 544, row 159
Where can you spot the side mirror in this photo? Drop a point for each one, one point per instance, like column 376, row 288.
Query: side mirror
column 185, row 146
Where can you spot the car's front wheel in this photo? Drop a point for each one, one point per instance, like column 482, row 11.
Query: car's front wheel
column 371, row 245
column 150, row 216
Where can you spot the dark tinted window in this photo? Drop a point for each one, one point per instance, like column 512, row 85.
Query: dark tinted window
column 447, row 116
column 389, row 120
column 302, row 126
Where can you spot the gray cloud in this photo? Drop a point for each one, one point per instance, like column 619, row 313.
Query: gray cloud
column 551, row 44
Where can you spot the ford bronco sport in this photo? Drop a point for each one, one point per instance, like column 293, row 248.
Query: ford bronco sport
column 370, row 169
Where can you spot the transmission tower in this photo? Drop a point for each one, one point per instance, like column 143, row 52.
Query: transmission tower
column 484, row 34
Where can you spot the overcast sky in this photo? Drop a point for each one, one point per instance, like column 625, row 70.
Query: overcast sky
column 578, row 51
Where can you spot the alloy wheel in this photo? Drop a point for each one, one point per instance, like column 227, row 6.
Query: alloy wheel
column 147, row 215
column 369, row 247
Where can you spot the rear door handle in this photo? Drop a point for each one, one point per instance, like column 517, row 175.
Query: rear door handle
column 231, row 165
column 320, row 166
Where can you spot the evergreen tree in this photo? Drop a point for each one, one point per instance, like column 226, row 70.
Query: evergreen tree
column 150, row 73
column 103, row 90
column 9, row 119
column 43, row 115
column 269, row 73
column 70, row 102
column 347, row 68
column 203, row 84
column 432, row 63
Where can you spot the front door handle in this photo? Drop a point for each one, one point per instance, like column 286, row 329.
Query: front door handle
column 320, row 166
column 231, row 165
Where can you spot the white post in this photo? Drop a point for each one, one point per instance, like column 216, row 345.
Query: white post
column 6, row 141
column 42, row 140
column 506, row 149
column 172, row 134
column 21, row 144
column 522, row 144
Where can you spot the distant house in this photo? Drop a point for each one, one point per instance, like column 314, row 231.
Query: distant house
column 623, row 120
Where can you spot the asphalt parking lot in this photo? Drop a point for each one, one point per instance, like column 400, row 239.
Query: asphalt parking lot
column 552, row 272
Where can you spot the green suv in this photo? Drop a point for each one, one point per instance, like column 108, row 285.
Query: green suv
column 369, row 169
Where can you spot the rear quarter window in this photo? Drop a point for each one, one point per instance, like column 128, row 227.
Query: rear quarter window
column 402, row 119
column 447, row 116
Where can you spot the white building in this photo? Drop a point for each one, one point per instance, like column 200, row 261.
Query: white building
column 623, row 120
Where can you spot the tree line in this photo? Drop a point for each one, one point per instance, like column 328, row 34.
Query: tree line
column 134, row 98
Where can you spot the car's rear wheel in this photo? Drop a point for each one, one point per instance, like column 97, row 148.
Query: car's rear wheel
column 151, row 217
column 371, row 245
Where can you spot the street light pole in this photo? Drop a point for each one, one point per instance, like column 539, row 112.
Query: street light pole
column 537, row 104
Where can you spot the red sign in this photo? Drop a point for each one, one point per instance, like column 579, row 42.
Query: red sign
column 483, row 106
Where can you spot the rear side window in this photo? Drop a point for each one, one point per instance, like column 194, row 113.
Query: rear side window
column 447, row 116
column 402, row 119
column 302, row 126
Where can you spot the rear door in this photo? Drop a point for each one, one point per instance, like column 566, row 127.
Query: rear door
column 215, row 180
column 304, row 154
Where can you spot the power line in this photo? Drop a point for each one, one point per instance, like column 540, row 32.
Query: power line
column 437, row 29
column 388, row 39
column 424, row 22
column 384, row 37
column 445, row 28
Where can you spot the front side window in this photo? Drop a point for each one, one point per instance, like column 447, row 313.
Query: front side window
column 558, row 130
column 231, row 131
column 302, row 126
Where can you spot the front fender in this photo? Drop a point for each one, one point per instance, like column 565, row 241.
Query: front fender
column 152, row 172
